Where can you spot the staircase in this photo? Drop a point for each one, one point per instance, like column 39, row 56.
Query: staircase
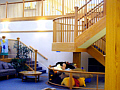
column 30, row 55
column 79, row 33
column 38, row 68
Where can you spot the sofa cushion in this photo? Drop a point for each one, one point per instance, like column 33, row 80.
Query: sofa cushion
column 10, row 66
column 1, row 66
column 3, row 71
column 5, row 65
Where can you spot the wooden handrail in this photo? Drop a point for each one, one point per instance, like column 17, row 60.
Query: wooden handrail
column 25, row 45
column 20, row 2
column 39, row 53
column 71, row 71
column 84, row 5
column 90, row 10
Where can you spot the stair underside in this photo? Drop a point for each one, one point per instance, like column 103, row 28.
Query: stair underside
column 96, row 54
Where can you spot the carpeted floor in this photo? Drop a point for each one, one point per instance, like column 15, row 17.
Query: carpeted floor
column 17, row 84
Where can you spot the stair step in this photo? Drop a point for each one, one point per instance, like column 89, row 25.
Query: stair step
column 31, row 62
column 39, row 68
column 32, row 65
column 43, row 71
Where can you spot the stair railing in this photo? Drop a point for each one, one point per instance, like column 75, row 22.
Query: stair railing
column 23, row 51
column 39, row 8
column 92, row 12
column 100, row 45
column 39, row 53
column 63, row 29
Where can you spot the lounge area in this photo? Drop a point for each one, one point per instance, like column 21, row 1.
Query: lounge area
column 36, row 34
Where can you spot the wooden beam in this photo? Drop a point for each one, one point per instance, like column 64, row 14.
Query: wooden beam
column 77, row 59
column 112, row 69
column 31, row 31
column 66, row 47
column 34, row 18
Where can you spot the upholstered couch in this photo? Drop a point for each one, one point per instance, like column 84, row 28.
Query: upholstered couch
column 6, row 69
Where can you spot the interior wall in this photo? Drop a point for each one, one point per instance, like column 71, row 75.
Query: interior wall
column 42, row 41
column 84, row 60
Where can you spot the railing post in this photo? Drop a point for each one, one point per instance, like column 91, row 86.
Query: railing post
column 62, row 7
column 23, row 7
column 6, row 8
column 76, row 23
column 54, row 31
column 18, row 39
column 85, row 18
column 104, row 8
column 35, row 59
column 70, row 80
column 42, row 9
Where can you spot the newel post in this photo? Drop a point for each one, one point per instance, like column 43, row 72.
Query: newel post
column 76, row 23
column 35, row 59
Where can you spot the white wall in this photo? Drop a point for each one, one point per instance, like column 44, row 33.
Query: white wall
column 84, row 60
column 42, row 41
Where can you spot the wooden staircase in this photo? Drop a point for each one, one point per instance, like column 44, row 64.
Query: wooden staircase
column 77, row 33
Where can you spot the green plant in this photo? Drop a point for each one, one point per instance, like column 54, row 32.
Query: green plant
column 19, row 64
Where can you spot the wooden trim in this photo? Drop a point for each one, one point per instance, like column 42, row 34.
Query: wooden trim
column 6, row 59
column 26, row 31
column 66, row 47
column 52, row 17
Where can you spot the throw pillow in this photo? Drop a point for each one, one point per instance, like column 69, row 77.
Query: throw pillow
column 5, row 66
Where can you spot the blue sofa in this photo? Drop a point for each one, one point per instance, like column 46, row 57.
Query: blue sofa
column 6, row 69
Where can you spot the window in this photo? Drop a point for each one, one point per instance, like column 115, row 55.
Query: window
column 30, row 5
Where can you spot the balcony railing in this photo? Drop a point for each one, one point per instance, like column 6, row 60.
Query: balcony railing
column 40, row 8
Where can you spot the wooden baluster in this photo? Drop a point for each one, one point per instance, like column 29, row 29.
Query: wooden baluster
column 70, row 80
column 6, row 8
column 63, row 29
column 42, row 9
column 23, row 7
column 83, row 26
column 67, row 30
column 76, row 23
column 54, row 31
column 85, row 18
column 97, row 83
column 35, row 60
